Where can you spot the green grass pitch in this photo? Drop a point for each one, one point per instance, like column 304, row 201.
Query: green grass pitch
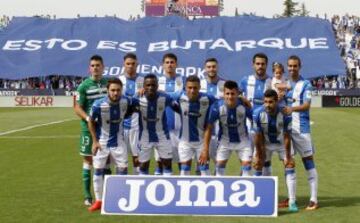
column 40, row 178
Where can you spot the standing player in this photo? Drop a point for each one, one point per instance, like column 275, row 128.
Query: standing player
column 299, row 100
column 194, row 108
column 106, row 128
column 170, row 83
column 90, row 89
column 231, row 115
column 253, row 88
column 153, row 124
column 273, row 130
column 212, row 85
column 132, row 82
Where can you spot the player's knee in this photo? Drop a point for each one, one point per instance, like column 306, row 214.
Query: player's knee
column 221, row 165
column 246, row 166
column 308, row 163
column 267, row 163
column 185, row 167
column 289, row 171
column 98, row 171
column 121, row 170
column 204, row 167
column 88, row 160
column 166, row 163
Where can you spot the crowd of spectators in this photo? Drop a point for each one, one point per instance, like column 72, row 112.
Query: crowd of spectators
column 347, row 31
column 53, row 82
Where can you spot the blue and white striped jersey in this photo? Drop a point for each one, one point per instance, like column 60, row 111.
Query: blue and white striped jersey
column 272, row 126
column 153, row 119
column 253, row 89
column 215, row 89
column 130, row 89
column 109, row 120
column 299, row 94
column 232, row 121
column 194, row 115
column 170, row 86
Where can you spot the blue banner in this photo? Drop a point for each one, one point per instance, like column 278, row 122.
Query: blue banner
column 37, row 46
column 219, row 196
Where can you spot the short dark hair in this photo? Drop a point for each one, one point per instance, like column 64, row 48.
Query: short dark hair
column 131, row 56
column 113, row 80
column 169, row 55
column 260, row 55
column 270, row 93
column 212, row 59
column 150, row 76
column 193, row 78
column 294, row 57
column 231, row 85
column 97, row 58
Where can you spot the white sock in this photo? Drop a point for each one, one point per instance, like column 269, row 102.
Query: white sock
column 205, row 172
column 167, row 172
column 267, row 171
column 246, row 170
column 290, row 177
column 184, row 173
column 136, row 170
column 313, row 183
column 98, row 181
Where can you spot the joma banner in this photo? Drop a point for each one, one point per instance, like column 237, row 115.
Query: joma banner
column 218, row 196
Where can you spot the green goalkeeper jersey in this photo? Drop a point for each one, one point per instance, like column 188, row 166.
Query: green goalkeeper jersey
column 87, row 92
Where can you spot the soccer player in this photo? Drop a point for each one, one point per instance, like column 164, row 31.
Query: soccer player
column 153, row 124
column 231, row 115
column 253, row 88
column 194, row 107
column 299, row 101
column 132, row 82
column 106, row 128
column 170, row 83
column 92, row 88
column 272, row 131
column 213, row 85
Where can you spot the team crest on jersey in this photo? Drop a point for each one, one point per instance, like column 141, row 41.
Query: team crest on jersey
column 240, row 116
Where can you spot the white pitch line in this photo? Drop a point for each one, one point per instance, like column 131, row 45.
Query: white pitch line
column 35, row 126
column 41, row 137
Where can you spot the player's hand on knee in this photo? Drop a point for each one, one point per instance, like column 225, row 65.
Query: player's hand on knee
column 95, row 147
column 289, row 162
column 204, row 158
column 258, row 163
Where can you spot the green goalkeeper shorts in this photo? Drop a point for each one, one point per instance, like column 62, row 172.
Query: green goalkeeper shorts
column 85, row 144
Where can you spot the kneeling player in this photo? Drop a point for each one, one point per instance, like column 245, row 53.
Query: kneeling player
column 272, row 134
column 153, row 124
column 231, row 114
column 107, row 115
column 194, row 108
